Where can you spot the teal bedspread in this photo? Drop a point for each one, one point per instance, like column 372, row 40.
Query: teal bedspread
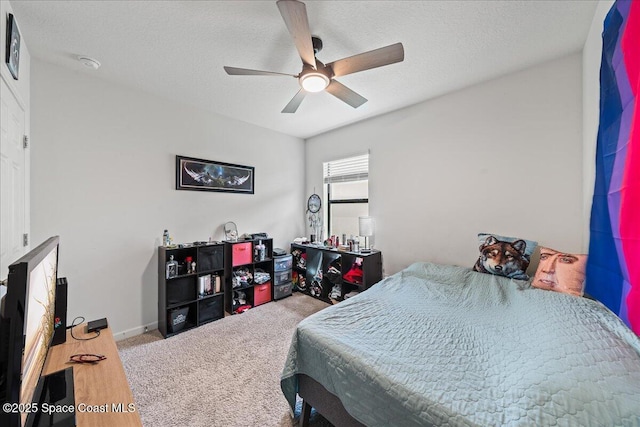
column 446, row 346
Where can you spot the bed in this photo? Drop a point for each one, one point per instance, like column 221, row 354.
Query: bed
column 447, row 346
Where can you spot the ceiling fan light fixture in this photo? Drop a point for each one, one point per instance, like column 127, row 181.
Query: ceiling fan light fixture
column 316, row 76
column 314, row 82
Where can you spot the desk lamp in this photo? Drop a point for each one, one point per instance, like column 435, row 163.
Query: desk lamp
column 365, row 224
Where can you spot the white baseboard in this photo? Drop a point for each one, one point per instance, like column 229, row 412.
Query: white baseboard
column 118, row 336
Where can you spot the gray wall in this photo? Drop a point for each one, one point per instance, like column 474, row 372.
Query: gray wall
column 504, row 156
column 103, row 178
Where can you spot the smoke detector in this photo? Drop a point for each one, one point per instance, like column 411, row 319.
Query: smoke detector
column 94, row 64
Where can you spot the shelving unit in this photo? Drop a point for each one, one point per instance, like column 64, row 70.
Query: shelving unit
column 182, row 304
column 242, row 265
column 318, row 270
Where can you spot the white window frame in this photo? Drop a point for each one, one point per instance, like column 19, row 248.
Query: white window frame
column 349, row 169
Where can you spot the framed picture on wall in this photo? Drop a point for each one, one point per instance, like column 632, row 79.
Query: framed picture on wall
column 208, row 175
column 13, row 46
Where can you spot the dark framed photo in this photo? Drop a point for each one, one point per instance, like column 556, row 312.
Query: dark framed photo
column 209, row 175
column 13, row 46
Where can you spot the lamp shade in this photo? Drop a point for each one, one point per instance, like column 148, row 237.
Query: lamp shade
column 365, row 224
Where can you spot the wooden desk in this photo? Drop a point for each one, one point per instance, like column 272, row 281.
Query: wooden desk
column 97, row 386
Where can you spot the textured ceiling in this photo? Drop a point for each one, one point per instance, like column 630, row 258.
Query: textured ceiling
column 176, row 49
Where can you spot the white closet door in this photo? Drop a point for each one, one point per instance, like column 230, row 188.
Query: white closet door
column 12, row 179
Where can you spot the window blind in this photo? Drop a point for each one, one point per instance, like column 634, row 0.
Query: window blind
column 347, row 170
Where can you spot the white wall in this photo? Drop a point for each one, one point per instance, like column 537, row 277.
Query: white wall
column 503, row 156
column 103, row 178
column 591, row 59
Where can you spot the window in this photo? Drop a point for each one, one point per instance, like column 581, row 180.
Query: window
column 346, row 184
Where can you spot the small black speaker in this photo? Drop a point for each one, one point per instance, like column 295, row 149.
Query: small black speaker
column 60, row 313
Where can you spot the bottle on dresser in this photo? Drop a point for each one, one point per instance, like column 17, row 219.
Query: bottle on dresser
column 259, row 252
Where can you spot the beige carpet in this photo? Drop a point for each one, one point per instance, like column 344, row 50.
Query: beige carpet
column 225, row 373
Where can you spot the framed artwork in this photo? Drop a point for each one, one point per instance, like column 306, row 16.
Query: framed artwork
column 13, row 46
column 208, row 175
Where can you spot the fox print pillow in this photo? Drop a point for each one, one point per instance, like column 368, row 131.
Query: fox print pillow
column 504, row 256
column 561, row 272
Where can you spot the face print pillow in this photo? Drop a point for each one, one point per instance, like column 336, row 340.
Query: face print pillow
column 560, row 272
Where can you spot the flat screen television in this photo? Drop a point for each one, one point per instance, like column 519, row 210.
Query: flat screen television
column 26, row 330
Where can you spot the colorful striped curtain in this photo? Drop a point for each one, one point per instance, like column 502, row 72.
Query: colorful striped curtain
column 613, row 268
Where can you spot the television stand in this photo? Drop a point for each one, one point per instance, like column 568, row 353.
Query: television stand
column 57, row 391
column 103, row 397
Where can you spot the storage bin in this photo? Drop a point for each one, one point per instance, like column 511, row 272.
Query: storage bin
column 261, row 293
column 178, row 319
column 282, row 277
column 281, row 291
column 210, row 258
column 282, row 263
column 211, row 309
column 241, row 254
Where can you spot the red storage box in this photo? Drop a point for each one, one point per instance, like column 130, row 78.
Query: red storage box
column 261, row 293
column 241, row 254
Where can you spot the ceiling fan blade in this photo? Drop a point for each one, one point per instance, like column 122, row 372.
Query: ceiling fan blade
column 233, row 71
column 295, row 18
column 293, row 105
column 345, row 94
column 368, row 60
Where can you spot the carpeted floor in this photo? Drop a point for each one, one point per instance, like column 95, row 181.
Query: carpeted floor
column 225, row 373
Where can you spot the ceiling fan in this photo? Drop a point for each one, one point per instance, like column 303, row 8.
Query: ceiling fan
column 316, row 76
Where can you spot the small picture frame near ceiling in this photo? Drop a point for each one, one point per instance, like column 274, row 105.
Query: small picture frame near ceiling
column 208, row 175
column 13, row 46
